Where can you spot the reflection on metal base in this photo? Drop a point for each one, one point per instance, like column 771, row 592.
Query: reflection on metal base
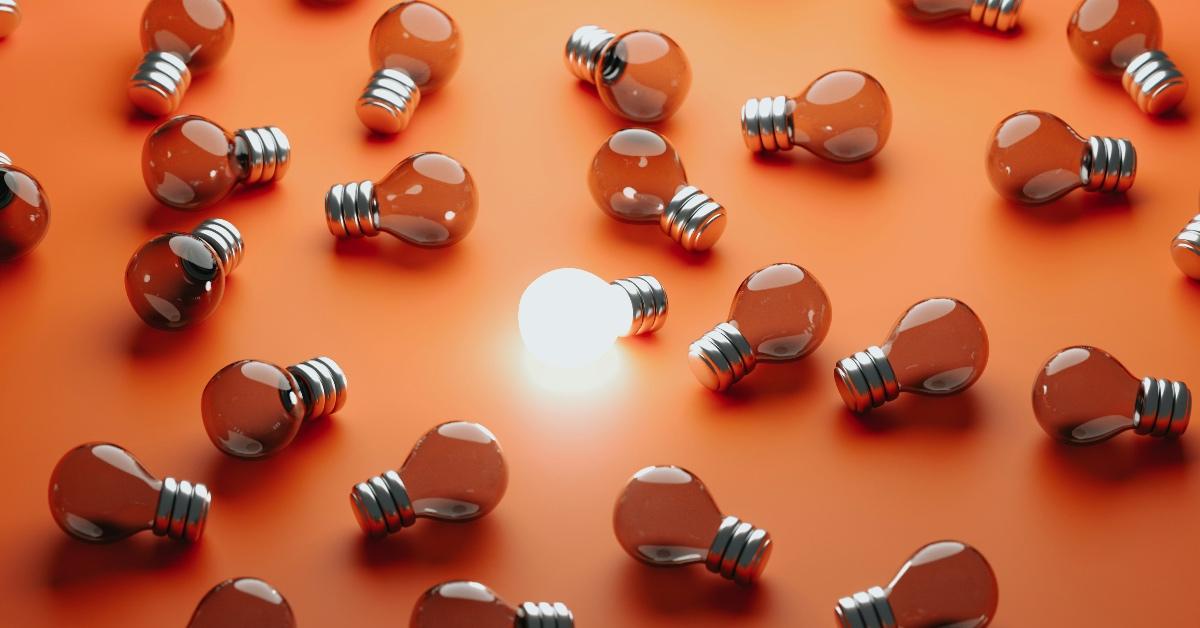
column 1162, row 408
column 866, row 609
column 1185, row 248
column 998, row 14
column 767, row 124
column 381, row 505
column 1109, row 165
column 583, row 51
column 1154, row 83
column 866, row 380
column 693, row 219
column 351, row 210
column 4, row 160
column 649, row 302
column 322, row 385
column 388, row 102
column 544, row 615
column 159, row 82
column 264, row 153
column 182, row 510
column 739, row 551
column 225, row 239
column 721, row 357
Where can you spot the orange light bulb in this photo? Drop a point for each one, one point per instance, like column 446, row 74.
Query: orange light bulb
column 640, row 75
column 637, row 177
column 24, row 210
column 180, row 37
column 1083, row 396
column 253, row 409
column 428, row 200
column 1034, row 157
column 416, row 48
column 190, row 162
column 947, row 583
column 780, row 313
column 1121, row 38
column 938, row 347
column 666, row 517
column 178, row 279
column 10, row 17
column 100, row 493
column 243, row 603
column 455, row 472
column 466, row 604
column 998, row 14
column 843, row 116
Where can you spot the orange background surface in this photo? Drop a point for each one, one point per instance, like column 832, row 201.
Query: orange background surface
column 1102, row 536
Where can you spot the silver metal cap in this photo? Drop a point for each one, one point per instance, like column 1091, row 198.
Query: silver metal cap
column 865, row 609
column 182, row 510
column 693, row 219
column 1163, row 408
column 159, row 82
column 739, row 551
column 998, row 14
column 1185, row 248
column 351, row 210
column 721, row 357
column 323, row 386
column 5, row 160
column 381, row 505
column 649, row 302
column 10, row 17
column 1154, row 83
column 866, row 380
column 225, row 239
column 767, row 124
column 264, row 153
column 388, row 101
column 544, row 615
column 1109, row 165
column 582, row 53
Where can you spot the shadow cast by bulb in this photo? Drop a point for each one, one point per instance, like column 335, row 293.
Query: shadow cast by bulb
column 160, row 218
column 321, row 6
column 650, row 235
column 1124, row 458
column 236, row 478
column 1071, row 208
column 612, row 122
column 952, row 413
column 427, row 542
column 17, row 266
column 75, row 563
column 771, row 379
column 798, row 157
column 385, row 248
column 964, row 24
column 690, row 589
column 146, row 343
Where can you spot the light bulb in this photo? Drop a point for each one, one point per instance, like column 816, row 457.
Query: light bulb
column 1121, row 38
column 843, row 116
column 455, row 472
column 177, row 279
column 466, row 604
column 100, row 493
column 24, row 210
column 641, row 75
column 190, row 162
column 998, row 14
column 666, row 517
column 1185, row 248
column 1083, row 396
column 10, row 17
column 780, row 313
column 947, row 583
column 180, row 37
column 938, row 347
column 636, row 176
column 416, row 48
column 1034, row 157
column 253, row 409
column 570, row 317
column 243, row 603
column 429, row 200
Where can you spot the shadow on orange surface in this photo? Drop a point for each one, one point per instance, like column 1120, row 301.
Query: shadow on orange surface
column 75, row 563
column 428, row 543
column 690, row 590
column 235, row 478
column 1072, row 207
column 955, row 413
column 1121, row 459
column 800, row 158
column 386, row 249
column 145, row 342
column 650, row 236
column 773, row 379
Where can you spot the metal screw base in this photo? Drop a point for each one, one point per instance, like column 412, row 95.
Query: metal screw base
column 381, row 505
column 582, row 54
column 1154, row 83
column 1109, row 165
column 182, row 510
column 351, row 210
column 866, row 609
column 739, row 552
column 159, row 83
column 866, row 380
column 388, row 102
column 1162, row 408
column 693, row 219
column 5, row 160
column 264, row 153
column 544, row 615
column 10, row 17
column 1185, row 249
column 998, row 14
column 767, row 124
column 225, row 239
column 322, row 385
column 721, row 357
column 649, row 302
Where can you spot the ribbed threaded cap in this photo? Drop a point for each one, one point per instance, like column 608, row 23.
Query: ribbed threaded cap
column 182, row 510
column 159, row 82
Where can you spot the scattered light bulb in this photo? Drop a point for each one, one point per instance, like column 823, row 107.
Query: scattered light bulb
column 938, row 347
column 180, row 37
column 10, row 17
column 1121, row 38
column 641, row 75
column 843, row 116
column 780, row 313
column 100, row 493
column 243, row 603
column 416, row 47
column 253, row 409
column 1034, row 157
column 1083, row 396
column 947, row 583
column 666, row 517
column 190, row 162
column 998, row 14
column 465, row 604
column 570, row 317
column 177, row 279
column 429, row 200
column 636, row 176
column 1185, row 249
column 455, row 472
column 24, row 209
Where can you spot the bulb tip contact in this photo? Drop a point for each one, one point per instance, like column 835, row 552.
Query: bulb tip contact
column 1154, row 82
column 159, row 82
column 182, row 510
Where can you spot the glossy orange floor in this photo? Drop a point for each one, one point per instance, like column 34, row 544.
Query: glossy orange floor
column 1096, row 537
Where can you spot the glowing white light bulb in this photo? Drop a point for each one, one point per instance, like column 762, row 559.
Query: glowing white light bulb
column 570, row 317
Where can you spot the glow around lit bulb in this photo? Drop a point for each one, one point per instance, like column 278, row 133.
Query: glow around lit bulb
column 569, row 317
